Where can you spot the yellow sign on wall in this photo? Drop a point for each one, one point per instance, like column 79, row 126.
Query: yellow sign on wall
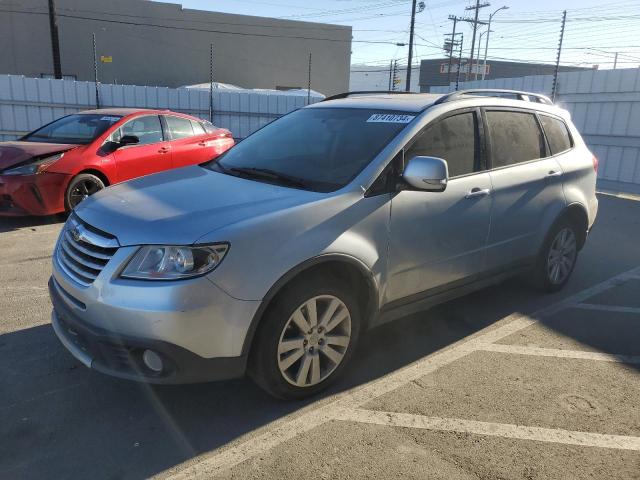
column 106, row 59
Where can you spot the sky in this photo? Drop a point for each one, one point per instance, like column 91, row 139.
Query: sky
column 526, row 31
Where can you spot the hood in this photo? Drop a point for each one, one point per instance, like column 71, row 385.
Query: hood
column 14, row 153
column 180, row 206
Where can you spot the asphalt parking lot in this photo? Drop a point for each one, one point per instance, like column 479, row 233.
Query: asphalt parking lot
column 505, row 383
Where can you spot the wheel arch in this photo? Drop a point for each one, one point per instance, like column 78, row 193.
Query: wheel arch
column 344, row 265
column 577, row 214
column 94, row 171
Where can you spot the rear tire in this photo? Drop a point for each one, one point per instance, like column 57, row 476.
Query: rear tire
column 80, row 187
column 292, row 358
column 557, row 257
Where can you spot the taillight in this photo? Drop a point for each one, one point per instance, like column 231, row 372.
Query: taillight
column 595, row 163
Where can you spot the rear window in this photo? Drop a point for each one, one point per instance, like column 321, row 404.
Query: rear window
column 179, row 127
column 557, row 134
column 197, row 128
column 515, row 137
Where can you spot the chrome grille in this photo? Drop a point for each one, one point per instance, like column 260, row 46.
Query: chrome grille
column 83, row 251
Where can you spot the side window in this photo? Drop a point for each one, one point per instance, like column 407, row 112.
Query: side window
column 557, row 134
column 454, row 139
column 147, row 129
column 179, row 127
column 515, row 137
column 198, row 129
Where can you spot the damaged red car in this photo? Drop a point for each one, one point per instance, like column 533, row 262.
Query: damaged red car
column 55, row 167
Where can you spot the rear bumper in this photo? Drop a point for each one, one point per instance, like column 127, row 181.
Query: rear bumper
column 120, row 355
column 41, row 194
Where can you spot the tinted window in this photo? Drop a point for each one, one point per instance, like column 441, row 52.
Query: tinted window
column 179, row 127
column 208, row 126
column 197, row 128
column 81, row 128
column 147, row 129
column 515, row 137
column 453, row 139
column 557, row 134
column 323, row 148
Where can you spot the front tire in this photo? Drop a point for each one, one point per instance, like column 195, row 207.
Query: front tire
column 557, row 258
column 306, row 338
column 81, row 187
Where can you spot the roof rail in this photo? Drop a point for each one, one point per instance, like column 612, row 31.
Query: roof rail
column 364, row 92
column 495, row 92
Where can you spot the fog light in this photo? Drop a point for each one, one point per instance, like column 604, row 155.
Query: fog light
column 152, row 360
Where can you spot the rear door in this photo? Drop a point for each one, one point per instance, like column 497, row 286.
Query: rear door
column 527, row 186
column 152, row 154
column 189, row 141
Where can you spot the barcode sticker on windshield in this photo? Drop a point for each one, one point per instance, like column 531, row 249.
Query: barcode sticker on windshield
column 110, row 119
column 390, row 118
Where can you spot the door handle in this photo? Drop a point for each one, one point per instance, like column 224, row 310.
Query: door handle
column 202, row 143
column 477, row 192
column 554, row 173
column 164, row 150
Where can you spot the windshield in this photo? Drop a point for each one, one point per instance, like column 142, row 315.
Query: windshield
column 319, row 149
column 80, row 129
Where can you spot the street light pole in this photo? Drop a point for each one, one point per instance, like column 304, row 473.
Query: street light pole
column 486, row 45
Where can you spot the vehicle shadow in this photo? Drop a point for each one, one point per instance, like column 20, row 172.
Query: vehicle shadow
column 59, row 419
column 8, row 224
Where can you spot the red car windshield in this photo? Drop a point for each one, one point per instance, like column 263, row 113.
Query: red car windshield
column 79, row 129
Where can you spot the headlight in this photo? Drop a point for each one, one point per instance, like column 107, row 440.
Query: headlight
column 37, row 166
column 158, row 262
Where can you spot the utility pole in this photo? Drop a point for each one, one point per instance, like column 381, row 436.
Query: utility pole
column 407, row 87
column 390, row 74
column 475, row 22
column 211, row 83
column 309, row 82
column 451, row 45
column 95, row 70
column 478, row 56
column 555, row 74
column 615, row 61
column 55, row 41
column 486, row 45
column 459, row 62
column 395, row 76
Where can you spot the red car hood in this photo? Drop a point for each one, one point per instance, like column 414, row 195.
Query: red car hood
column 13, row 153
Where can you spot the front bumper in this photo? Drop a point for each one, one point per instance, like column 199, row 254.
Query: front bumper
column 41, row 194
column 120, row 355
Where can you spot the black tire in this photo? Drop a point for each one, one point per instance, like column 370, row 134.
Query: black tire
column 80, row 187
column 263, row 359
column 541, row 277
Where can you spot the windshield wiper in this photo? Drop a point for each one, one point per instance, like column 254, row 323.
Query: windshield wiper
column 266, row 173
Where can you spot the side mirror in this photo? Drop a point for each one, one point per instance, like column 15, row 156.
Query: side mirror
column 129, row 140
column 427, row 173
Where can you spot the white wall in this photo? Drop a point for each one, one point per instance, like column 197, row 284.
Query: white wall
column 605, row 107
column 28, row 103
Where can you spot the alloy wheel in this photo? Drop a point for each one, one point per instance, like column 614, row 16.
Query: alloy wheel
column 314, row 340
column 82, row 190
column 562, row 256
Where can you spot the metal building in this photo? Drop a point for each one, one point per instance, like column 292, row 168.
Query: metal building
column 140, row 42
column 435, row 72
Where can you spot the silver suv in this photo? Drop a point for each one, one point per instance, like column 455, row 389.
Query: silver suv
column 331, row 220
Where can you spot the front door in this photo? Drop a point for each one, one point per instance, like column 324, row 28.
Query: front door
column 152, row 154
column 438, row 238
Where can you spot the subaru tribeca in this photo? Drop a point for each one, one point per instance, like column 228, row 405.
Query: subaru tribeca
column 338, row 217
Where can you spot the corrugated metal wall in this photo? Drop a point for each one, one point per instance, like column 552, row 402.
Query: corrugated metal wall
column 28, row 103
column 605, row 107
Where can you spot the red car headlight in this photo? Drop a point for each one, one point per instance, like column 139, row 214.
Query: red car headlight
column 34, row 167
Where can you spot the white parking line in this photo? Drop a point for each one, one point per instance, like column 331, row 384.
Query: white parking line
column 558, row 353
column 239, row 451
column 505, row 430
column 607, row 308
